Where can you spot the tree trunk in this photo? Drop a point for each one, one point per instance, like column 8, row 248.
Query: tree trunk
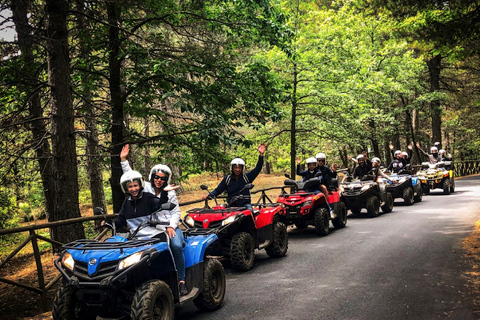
column 94, row 169
column 116, row 96
column 293, row 128
column 63, row 130
column 434, row 69
column 147, row 164
column 37, row 126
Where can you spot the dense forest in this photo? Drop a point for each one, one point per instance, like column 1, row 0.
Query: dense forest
column 193, row 83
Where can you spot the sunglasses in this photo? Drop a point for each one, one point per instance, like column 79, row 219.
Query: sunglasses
column 322, row 160
column 161, row 178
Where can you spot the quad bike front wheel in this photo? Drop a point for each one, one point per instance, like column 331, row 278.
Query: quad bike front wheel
column 425, row 189
column 279, row 246
column 446, row 186
column 408, row 196
column 153, row 300
column 452, row 185
column 341, row 220
column 419, row 195
column 322, row 220
column 242, row 251
column 66, row 307
column 373, row 206
column 388, row 206
column 211, row 298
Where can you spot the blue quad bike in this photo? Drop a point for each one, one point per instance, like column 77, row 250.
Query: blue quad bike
column 133, row 278
column 406, row 186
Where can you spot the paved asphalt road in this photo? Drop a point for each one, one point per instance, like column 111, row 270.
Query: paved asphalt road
column 407, row 264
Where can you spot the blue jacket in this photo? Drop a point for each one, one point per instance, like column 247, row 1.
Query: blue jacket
column 233, row 186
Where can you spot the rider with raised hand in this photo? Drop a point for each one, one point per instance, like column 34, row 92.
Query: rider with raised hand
column 433, row 157
column 234, row 183
column 159, row 186
column 363, row 167
column 310, row 173
column 327, row 175
column 398, row 164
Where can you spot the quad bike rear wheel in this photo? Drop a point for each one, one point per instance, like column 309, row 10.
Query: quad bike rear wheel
column 211, row 298
column 452, row 185
column 446, row 186
column 408, row 196
column 322, row 221
column 279, row 246
column 242, row 251
column 341, row 220
column 373, row 206
column 66, row 307
column 388, row 206
column 419, row 196
column 153, row 300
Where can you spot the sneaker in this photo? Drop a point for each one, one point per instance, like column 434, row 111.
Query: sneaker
column 332, row 214
column 182, row 288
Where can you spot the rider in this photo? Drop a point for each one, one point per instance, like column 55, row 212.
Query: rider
column 327, row 175
column 363, row 166
column 398, row 163
column 160, row 177
column 310, row 173
column 434, row 157
column 137, row 206
column 235, row 182
column 376, row 169
column 406, row 155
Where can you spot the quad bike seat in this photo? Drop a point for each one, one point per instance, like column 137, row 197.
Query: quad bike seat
column 333, row 185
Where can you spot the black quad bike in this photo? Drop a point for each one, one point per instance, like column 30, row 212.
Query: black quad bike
column 405, row 186
column 240, row 231
column 366, row 193
column 126, row 277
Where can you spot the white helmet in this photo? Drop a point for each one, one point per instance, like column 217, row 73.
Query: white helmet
column 360, row 156
column 238, row 162
column 377, row 160
column 311, row 160
column 434, row 150
column 163, row 169
column 441, row 152
column 129, row 177
column 405, row 154
column 397, row 153
column 321, row 156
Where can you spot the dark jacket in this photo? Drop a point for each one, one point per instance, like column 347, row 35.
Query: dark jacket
column 397, row 165
column 233, row 186
column 134, row 212
column 359, row 171
column 307, row 174
column 327, row 174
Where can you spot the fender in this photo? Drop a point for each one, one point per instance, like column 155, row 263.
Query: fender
column 195, row 247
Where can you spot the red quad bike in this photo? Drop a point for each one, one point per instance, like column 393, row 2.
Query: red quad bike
column 304, row 208
column 240, row 231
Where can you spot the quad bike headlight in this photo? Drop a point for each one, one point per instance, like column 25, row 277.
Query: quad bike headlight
column 366, row 187
column 307, row 203
column 130, row 260
column 189, row 220
column 67, row 261
column 228, row 220
column 281, row 205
